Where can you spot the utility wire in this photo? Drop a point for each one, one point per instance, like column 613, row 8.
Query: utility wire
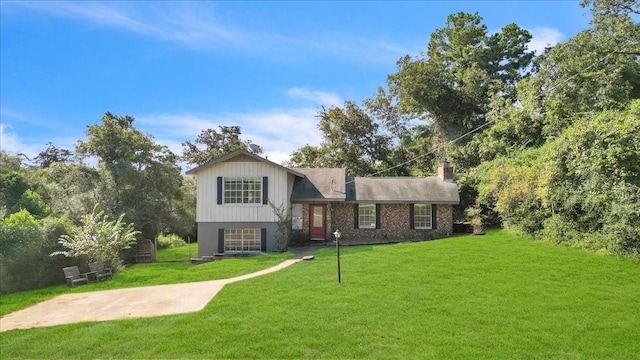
column 553, row 86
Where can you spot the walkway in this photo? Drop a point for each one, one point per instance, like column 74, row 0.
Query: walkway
column 129, row 303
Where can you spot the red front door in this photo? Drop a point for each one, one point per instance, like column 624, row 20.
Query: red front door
column 317, row 214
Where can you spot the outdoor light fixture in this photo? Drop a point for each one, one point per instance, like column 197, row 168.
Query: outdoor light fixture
column 337, row 235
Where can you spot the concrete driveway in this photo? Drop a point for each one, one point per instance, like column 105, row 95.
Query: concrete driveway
column 137, row 302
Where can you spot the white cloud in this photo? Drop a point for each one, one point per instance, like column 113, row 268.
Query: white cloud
column 198, row 26
column 278, row 132
column 11, row 143
column 542, row 38
column 319, row 97
column 193, row 25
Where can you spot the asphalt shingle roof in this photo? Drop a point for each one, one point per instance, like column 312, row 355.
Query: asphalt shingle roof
column 402, row 190
column 331, row 184
column 319, row 184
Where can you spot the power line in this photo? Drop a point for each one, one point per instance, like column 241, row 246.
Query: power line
column 553, row 86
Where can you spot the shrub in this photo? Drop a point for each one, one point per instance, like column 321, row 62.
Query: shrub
column 283, row 232
column 24, row 246
column 99, row 239
column 475, row 217
column 170, row 241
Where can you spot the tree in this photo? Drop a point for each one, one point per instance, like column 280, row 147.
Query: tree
column 216, row 144
column 594, row 180
column 99, row 239
column 601, row 8
column 71, row 188
column 20, row 194
column 137, row 176
column 8, row 162
column 352, row 139
column 52, row 155
column 451, row 85
column 310, row 156
column 596, row 70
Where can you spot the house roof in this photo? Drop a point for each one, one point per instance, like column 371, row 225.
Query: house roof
column 320, row 184
column 331, row 184
column 402, row 190
column 240, row 154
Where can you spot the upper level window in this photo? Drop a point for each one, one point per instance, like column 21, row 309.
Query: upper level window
column 422, row 216
column 242, row 190
column 367, row 216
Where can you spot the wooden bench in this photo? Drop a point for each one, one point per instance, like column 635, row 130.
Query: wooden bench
column 101, row 272
column 73, row 276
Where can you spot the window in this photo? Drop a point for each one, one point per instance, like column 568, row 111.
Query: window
column 242, row 190
column 367, row 216
column 422, row 216
column 242, row 240
column 296, row 217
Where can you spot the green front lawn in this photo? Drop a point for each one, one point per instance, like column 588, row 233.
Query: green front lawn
column 179, row 253
column 496, row 296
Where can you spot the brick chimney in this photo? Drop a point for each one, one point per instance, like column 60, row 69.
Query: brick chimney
column 445, row 172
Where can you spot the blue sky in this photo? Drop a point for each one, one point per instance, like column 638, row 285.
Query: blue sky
column 182, row 67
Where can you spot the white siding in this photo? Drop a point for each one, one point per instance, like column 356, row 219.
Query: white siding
column 207, row 209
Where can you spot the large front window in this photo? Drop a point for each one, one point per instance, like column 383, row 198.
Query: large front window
column 367, row 216
column 242, row 240
column 422, row 216
column 242, row 190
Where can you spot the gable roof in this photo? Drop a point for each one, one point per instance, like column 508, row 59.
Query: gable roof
column 320, row 184
column 331, row 184
column 402, row 190
column 241, row 154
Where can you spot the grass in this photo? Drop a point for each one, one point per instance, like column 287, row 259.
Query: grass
column 146, row 274
column 495, row 297
column 179, row 253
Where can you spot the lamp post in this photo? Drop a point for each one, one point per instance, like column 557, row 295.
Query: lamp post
column 337, row 235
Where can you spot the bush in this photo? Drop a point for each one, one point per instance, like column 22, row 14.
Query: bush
column 24, row 247
column 594, row 181
column 515, row 189
column 170, row 241
column 99, row 239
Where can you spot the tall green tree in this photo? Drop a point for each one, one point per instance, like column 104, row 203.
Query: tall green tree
column 71, row 188
column 596, row 70
column 452, row 84
column 351, row 139
column 18, row 192
column 211, row 144
column 139, row 177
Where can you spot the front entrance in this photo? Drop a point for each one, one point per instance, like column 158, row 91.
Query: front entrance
column 317, row 221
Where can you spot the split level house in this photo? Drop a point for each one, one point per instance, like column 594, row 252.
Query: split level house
column 236, row 194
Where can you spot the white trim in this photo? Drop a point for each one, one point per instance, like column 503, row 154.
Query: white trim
column 244, row 193
column 371, row 225
column 429, row 216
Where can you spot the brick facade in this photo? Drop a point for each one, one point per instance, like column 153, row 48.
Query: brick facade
column 394, row 224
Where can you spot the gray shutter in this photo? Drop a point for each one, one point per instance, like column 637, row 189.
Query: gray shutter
column 356, row 223
column 412, row 213
column 377, row 216
column 434, row 217
column 265, row 190
column 263, row 239
column 220, row 241
column 219, row 198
